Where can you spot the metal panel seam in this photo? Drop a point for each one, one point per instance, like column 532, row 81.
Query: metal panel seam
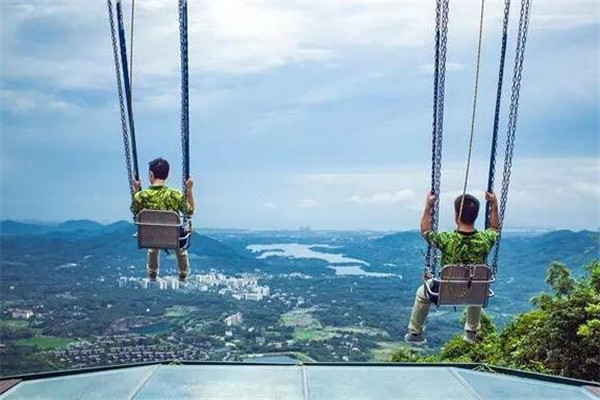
column 464, row 383
column 141, row 386
column 305, row 391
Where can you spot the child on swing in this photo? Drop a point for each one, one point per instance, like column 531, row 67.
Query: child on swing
column 466, row 245
column 159, row 196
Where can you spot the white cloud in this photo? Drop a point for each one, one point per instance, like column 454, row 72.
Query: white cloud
column 239, row 38
column 162, row 98
column 23, row 101
column 554, row 16
column 308, row 203
column 384, row 198
column 333, row 47
column 561, row 192
column 268, row 205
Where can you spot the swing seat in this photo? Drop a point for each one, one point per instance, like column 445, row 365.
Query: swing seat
column 461, row 285
column 161, row 230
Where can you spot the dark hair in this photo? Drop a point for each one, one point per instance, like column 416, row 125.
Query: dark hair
column 160, row 168
column 470, row 208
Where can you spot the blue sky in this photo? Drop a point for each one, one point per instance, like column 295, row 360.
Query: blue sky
column 302, row 113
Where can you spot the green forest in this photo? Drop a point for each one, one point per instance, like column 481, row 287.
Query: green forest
column 559, row 336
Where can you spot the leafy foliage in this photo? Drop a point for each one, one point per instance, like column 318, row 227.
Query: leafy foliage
column 561, row 335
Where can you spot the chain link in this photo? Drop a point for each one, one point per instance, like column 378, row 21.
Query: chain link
column 125, row 133
column 430, row 254
column 512, row 118
column 185, row 129
column 494, row 149
column 132, row 29
column 127, row 88
column 441, row 40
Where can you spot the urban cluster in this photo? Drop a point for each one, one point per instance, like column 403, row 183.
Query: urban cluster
column 127, row 348
column 245, row 287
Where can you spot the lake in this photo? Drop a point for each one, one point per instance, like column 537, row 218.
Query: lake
column 356, row 270
column 296, row 250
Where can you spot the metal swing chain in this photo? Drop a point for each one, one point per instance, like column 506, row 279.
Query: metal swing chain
column 127, row 87
column 440, row 108
column 125, row 133
column 131, row 49
column 185, row 129
column 473, row 114
column 441, row 36
column 494, row 149
column 429, row 255
column 512, row 118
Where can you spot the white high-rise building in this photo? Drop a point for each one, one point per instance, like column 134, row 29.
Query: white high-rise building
column 172, row 283
column 253, row 296
column 22, row 314
column 158, row 284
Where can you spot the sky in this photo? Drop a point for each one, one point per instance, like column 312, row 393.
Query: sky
column 303, row 113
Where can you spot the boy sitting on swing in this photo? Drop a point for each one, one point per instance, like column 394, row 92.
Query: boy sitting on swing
column 161, row 197
column 465, row 245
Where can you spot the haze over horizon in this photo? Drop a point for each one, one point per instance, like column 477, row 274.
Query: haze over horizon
column 50, row 223
column 302, row 114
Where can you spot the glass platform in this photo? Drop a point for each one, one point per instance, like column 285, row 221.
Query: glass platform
column 290, row 382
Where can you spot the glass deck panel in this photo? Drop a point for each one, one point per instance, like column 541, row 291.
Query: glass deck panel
column 103, row 385
column 499, row 386
column 377, row 382
column 245, row 381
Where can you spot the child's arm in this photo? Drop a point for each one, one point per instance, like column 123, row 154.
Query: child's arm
column 189, row 184
column 494, row 222
column 426, row 223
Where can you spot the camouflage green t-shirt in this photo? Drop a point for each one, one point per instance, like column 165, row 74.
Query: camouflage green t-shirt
column 160, row 198
column 463, row 247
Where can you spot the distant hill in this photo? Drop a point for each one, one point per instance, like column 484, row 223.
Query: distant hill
column 400, row 239
column 561, row 244
column 10, row 227
column 79, row 225
column 83, row 226
column 572, row 248
column 81, row 238
column 518, row 254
